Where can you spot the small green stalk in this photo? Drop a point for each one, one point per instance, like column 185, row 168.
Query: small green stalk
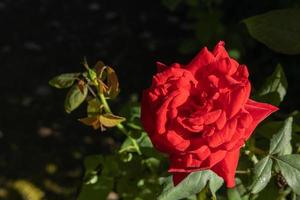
column 119, row 126
column 233, row 194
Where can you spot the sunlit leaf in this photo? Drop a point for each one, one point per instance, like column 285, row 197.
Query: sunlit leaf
column 277, row 29
column 99, row 67
column 112, row 83
column 64, row 80
column 75, row 97
column 289, row 166
column 127, row 146
column 262, row 174
column 91, row 121
column 92, row 74
column 110, row 120
column 102, row 87
column 94, row 107
column 281, row 141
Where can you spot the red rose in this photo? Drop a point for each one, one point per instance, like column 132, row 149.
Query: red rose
column 200, row 114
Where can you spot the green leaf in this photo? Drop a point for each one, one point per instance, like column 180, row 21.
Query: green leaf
column 241, row 189
column 127, row 146
column 270, row 191
column 94, row 107
column 192, row 184
column 63, row 80
column 275, row 87
column 75, row 97
column 91, row 163
column 143, row 142
column 289, row 166
column 277, row 29
column 204, row 194
column 153, row 164
column 110, row 120
column 281, row 141
column 92, row 74
column 95, row 187
column 262, row 174
column 132, row 112
column 98, row 190
column 233, row 194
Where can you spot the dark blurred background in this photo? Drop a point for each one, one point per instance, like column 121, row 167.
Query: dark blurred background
column 42, row 147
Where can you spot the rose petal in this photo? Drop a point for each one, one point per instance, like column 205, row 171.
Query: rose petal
column 214, row 80
column 161, row 67
column 236, row 141
column 211, row 117
column 258, row 111
column 164, row 76
column 242, row 71
column 189, row 161
column 224, row 135
column 178, row 142
column 161, row 143
column 227, row 167
column 220, row 51
column 190, row 125
column 202, row 153
column 161, row 114
column 176, row 102
column 214, row 158
column 245, row 120
column 221, row 66
column 220, row 123
column 203, row 58
column 238, row 98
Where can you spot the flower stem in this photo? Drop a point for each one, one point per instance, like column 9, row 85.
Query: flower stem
column 104, row 103
column 233, row 194
column 246, row 172
column 119, row 126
